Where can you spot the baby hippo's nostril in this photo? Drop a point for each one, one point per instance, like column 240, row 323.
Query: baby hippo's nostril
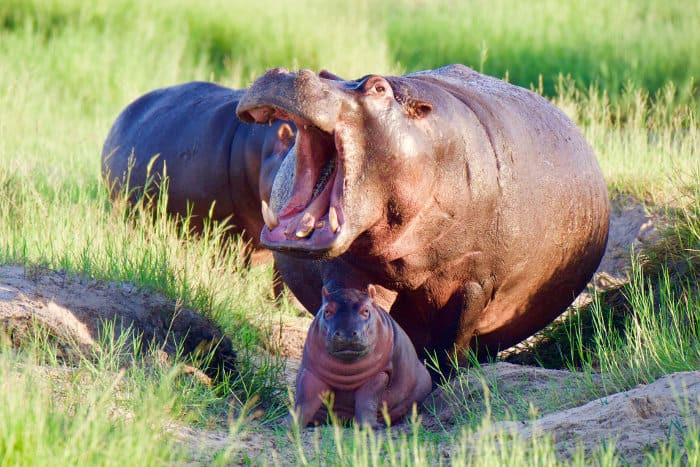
column 336, row 334
column 355, row 334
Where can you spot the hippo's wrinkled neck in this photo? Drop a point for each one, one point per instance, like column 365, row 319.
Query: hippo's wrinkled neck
column 350, row 375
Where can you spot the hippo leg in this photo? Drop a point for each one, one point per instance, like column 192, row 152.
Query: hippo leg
column 469, row 305
column 309, row 394
column 302, row 277
column 430, row 331
column 367, row 399
column 414, row 318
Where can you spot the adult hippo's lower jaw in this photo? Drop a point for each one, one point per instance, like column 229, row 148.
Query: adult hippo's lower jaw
column 306, row 211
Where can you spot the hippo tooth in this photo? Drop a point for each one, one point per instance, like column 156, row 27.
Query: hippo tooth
column 333, row 219
column 308, row 222
column 285, row 132
column 269, row 216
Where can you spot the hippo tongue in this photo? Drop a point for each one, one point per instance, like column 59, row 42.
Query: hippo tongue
column 318, row 207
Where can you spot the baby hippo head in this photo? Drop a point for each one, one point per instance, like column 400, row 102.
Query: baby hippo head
column 349, row 319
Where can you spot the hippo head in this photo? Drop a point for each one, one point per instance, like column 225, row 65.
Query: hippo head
column 362, row 164
column 348, row 319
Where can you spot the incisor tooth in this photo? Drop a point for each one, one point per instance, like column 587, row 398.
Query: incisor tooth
column 268, row 216
column 333, row 219
column 306, row 226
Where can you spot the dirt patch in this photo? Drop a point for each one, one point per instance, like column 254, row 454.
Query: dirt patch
column 637, row 420
column 76, row 313
column 632, row 226
column 287, row 337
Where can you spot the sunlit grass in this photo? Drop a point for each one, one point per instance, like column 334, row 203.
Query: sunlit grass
column 101, row 411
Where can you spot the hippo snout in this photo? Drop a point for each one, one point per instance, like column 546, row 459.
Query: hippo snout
column 347, row 345
column 345, row 335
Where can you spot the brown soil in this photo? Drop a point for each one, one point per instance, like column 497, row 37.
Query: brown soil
column 637, row 420
column 75, row 312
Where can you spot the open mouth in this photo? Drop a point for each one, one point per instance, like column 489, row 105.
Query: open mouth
column 312, row 218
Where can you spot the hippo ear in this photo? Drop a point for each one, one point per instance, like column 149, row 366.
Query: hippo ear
column 328, row 75
column 325, row 293
column 371, row 291
column 416, row 108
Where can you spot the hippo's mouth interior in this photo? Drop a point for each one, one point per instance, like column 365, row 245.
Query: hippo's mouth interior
column 312, row 217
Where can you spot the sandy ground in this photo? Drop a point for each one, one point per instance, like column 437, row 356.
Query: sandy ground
column 74, row 311
column 77, row 313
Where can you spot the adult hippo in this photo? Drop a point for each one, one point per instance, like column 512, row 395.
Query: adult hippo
column 216, row 164
column 477, row 202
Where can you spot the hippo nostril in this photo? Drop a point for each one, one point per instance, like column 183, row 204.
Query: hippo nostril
column 355, row 334
column 336, row 334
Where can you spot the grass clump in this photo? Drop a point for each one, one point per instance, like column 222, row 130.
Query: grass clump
column 100, row 411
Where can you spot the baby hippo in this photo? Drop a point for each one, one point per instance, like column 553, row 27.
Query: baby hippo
column 355, row 350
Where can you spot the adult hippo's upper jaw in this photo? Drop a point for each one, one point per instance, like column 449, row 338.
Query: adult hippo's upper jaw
column 301, row 97
column 305, row 213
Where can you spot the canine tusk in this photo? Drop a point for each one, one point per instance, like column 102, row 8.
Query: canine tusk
column 268, row 216
column 333, row 219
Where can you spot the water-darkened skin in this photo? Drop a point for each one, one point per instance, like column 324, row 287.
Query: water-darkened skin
column 209, row 154
column 478, row 203
column 355, row 351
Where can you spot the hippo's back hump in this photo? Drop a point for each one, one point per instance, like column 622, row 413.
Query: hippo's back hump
column 188, row 119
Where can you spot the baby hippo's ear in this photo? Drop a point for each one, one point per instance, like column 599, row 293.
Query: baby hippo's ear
column 371, row 291
column 325, row 293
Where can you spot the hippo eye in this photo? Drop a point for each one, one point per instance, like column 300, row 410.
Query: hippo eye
column 376, row 86
column 327, row 312
column 364, row 312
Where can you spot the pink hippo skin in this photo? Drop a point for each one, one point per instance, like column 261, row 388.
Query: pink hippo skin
column 355, row 350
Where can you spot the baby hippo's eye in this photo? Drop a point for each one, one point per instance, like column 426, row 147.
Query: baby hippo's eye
column 364, row 312
column 328, row 312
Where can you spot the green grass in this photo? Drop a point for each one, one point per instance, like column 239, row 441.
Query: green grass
column 624, row 71
column 98, row 411
column 645, row 43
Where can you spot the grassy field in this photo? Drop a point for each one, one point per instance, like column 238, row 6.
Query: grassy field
column 625, row 71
